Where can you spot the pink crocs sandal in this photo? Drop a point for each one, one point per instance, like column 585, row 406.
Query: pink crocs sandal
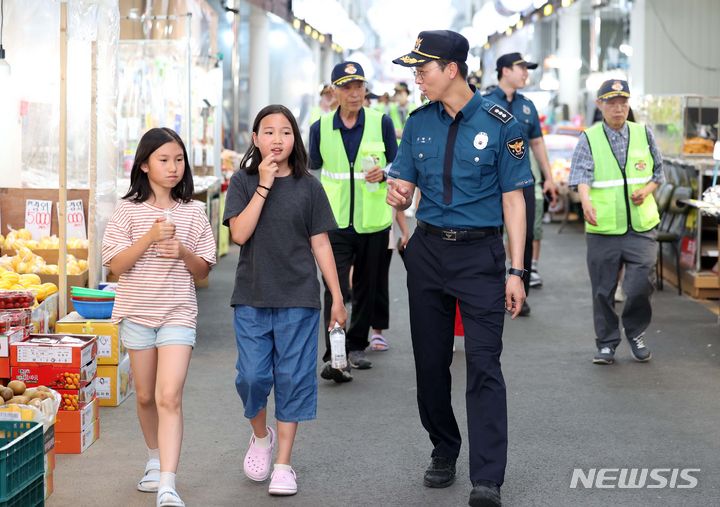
column 257, row 460
column 283, row 482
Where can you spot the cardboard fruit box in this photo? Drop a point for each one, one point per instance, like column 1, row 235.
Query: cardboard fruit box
column 110, row 347
column 57, row 349
column 55, row 377
column 76, row 399
column 114, row 384
column 77, row 421
column 77, row 442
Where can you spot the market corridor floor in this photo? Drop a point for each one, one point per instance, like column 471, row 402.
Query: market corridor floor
column 367, row 447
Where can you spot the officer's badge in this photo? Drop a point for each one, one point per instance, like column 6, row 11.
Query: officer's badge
column 516, row 147
column 500, row 113
column 350, row 69
column 480, row 141
column 640, row 165
column 410, row 60
column 418, row 41
column 617, row 86
column 526, row 109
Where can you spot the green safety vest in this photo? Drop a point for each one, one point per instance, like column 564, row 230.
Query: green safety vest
column 612, row 186
column 371, row 213
column 395, row 115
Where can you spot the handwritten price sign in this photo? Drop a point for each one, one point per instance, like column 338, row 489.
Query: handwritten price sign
column 38, row 217
column 75, row 220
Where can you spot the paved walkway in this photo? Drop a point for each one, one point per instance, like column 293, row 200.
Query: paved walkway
column 367, row 447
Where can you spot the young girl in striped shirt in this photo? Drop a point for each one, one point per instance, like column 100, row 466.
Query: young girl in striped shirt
column 157, row 240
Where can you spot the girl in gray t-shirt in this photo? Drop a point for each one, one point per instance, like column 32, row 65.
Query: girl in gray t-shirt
column 279, row 214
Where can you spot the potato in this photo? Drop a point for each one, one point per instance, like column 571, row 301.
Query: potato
column 18, row 386
column 36, row 403
column 18, row 400
column 6, row 393
column 43, row 388
column 2, row 402
column 30, row 393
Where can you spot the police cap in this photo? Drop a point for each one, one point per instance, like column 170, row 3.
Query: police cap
column 511, row 59
column 436, row 45
column 613, row 88
column 345, row 72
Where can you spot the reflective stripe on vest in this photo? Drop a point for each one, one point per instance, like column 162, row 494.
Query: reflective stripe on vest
column 371, row 213
column 612, row 186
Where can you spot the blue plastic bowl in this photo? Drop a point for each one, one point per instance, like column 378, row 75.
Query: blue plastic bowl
column 94, row 309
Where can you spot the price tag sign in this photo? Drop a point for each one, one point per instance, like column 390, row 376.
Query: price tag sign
column 75, row 217
column 38, row 218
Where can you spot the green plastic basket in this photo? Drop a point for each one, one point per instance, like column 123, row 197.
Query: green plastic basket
column 32, row 496
column 91, row 293
column 21, row 458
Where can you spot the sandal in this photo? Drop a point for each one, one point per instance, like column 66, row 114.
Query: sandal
column 151, row 478
column 257, row 461
column 378, row 343
column 168, row 497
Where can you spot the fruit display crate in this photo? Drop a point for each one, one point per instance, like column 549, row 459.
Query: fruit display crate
column 21, row 459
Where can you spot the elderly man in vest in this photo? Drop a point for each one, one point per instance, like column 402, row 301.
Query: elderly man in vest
column 352, row 147
column 616, row 166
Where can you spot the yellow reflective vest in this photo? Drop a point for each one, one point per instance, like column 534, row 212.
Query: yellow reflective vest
column 340, row 178
column 613, row 185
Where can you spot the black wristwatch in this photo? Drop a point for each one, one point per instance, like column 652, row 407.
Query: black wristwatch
column 522, row 273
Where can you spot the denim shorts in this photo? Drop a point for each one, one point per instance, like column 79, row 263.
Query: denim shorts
column 138, row 337
column 277, row 348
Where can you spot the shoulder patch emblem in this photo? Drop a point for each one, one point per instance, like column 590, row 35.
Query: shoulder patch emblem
column 516, row 147
column 500, row 113
column 526, row 109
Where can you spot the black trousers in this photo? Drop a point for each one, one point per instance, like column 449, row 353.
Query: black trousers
column 381, row 313
column 529, row 194
column 364, row 253
column 439, row 274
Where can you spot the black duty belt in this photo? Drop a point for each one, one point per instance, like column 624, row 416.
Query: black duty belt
column 459, row 234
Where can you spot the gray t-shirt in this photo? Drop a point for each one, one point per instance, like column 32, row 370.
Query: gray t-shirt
column 276, row 268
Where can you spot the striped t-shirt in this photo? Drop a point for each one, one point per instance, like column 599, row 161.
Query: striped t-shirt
column 157, row 291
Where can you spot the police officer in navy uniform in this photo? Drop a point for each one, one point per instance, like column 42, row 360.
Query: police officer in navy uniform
column 468, row 158
column 512, row 74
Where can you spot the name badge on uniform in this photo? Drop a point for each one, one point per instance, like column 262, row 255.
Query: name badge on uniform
column 526, row 109
column 480, row 141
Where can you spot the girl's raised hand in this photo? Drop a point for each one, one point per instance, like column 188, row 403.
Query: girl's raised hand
column 268, row 170
column 162, row 230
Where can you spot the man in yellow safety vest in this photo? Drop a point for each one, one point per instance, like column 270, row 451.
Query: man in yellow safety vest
column 616, row 167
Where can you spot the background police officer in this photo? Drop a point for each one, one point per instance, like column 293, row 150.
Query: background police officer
column 352, row 147
column 616, row 167
column 512, row 74
column 468, row 157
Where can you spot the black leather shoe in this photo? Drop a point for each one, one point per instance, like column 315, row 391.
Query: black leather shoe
column 485, row 494
column 440, row 473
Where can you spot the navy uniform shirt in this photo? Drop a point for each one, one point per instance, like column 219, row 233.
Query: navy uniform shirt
column 521, row 108
column 464, row 188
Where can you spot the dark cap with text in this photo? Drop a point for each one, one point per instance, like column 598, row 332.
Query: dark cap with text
column 613, row 88
column 345, row 72
column 436, row 45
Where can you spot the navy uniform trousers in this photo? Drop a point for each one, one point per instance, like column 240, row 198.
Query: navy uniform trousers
column 473, row 272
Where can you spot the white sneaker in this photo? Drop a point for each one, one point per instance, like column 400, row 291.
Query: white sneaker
column 535, row 279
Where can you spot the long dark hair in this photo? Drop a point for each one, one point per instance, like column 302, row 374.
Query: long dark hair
column 140, row 190
column 298, row 159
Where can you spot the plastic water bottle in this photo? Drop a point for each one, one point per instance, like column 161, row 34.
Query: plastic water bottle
column 368, row 162
column 338, row 358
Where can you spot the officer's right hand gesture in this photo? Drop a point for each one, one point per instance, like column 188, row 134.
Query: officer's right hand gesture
column 399, row 194
column 267, row 170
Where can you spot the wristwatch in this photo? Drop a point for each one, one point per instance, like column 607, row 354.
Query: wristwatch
column 522, row 273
